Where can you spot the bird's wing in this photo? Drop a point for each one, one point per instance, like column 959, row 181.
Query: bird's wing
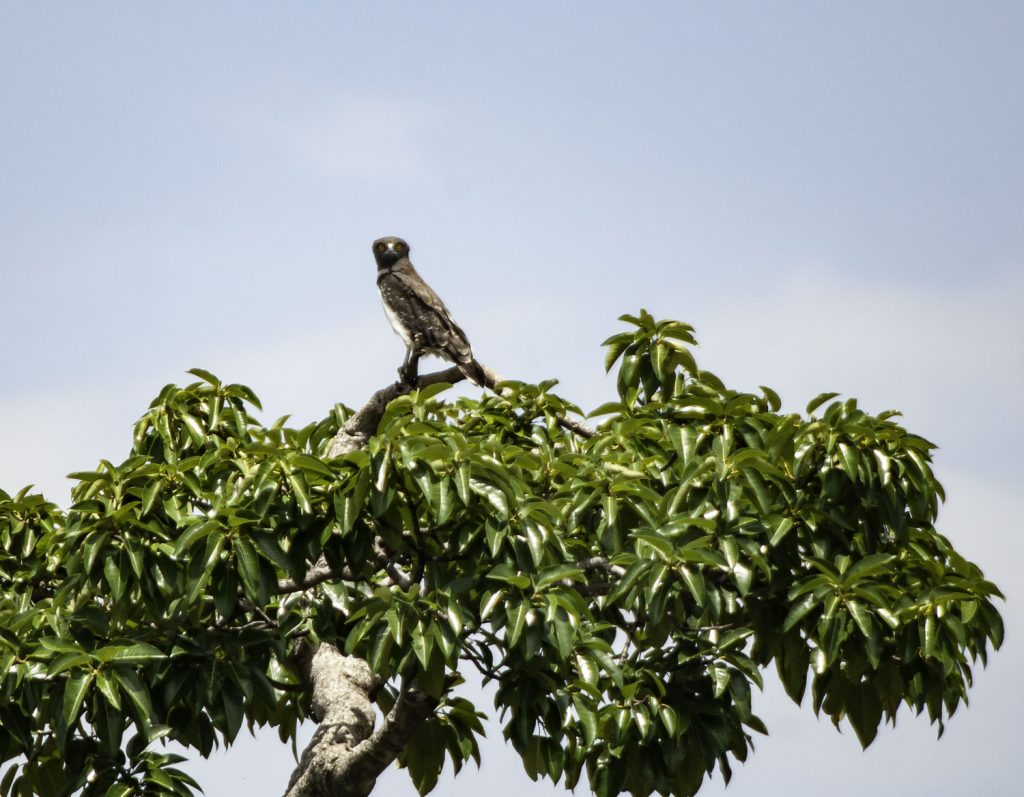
column 414, row 284
column 450, row 334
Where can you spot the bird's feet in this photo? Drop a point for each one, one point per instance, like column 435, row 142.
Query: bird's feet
column 409, row 374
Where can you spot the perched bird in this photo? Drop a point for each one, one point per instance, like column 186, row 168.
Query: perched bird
column 418, row 315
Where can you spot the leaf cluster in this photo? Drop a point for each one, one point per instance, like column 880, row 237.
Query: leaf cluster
column 623, row 591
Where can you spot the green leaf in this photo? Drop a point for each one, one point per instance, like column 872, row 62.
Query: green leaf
column 628, row 372
column 659, row 356
column 424, row 757
column 516, row 615
column 206, row 376
column 656, row 542
column 114, row 577
column 798, row 611
column 564, row 636
column 884, row 465
column 248, row 567
column 137, row 653
column 245, row 393
column 744, row 577
column 311, row 465
column 587, row 669
column 75, row 691
column 300, row 489
column 108, row 687
column 491, row 603
column 234, row 713
column 851, row 460
column 860, row 616
column 535, row 542
column 930, row 636
column 608, row 408
column 628, row 580
column 195, row 431
column 558, row 573
column 731, row 550
column 60, row 645
column 719, row 677
column 422, row 643
column 192, row 535
column 462, row 482
column 781, row 530
column 137, row 693
column 774, row 402
column 870, row 565
column 455, row 618
column 425, row 394
column 669, row 719
column 587, row 718
column 616, row 345
column 67, row 661
column 759, row 488
column 818, row 400
column 695, row 584
column 864, row 710
column 150, row 494
column 495, row 496
column 677, row 330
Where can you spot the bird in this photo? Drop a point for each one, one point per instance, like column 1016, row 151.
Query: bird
column 418, row 315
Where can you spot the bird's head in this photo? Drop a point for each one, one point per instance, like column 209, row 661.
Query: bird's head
column 388, row 251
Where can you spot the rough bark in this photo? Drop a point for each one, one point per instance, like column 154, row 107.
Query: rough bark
column 361, row 426
column 345, row 757
column 341, row 700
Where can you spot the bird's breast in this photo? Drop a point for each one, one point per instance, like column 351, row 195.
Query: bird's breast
column 397, row 322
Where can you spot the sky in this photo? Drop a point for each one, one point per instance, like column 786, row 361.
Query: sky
column 832, row 193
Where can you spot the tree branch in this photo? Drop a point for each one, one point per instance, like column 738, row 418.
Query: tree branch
column 375, row 754
column 345, row 756
column 317, row 574
column 600, row 563
column 576, row 426
column 341, row 699
column 358, row 429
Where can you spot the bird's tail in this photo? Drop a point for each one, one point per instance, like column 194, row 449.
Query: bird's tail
column 472, row 370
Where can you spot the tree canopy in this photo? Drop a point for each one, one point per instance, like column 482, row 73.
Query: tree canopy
column 623, row 586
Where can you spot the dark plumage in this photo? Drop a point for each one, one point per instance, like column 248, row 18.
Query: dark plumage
column 418, row 315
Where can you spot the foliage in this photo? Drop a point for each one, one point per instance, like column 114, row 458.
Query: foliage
column 624, row 591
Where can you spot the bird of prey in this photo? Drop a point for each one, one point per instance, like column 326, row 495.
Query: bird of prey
column 418, row 315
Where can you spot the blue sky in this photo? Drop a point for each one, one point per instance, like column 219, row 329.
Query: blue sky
column 833, row 193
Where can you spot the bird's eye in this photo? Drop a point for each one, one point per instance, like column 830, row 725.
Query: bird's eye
column 380, row 246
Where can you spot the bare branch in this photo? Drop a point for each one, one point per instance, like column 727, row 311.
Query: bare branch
column 397, row 576
column 592, row 589
column 576, row 426
column 360, row 427
column 600, row 563
column 317, row 574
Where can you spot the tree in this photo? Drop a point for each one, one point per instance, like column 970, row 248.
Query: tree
column 624, row 587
